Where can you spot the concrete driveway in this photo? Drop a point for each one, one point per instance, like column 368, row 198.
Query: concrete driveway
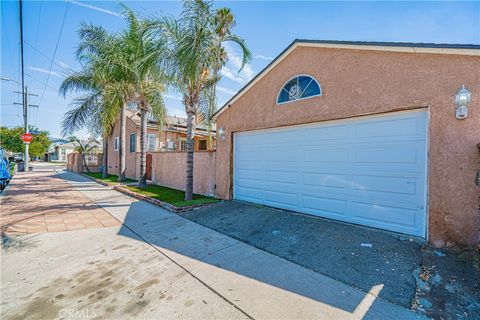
column 157, row 264
column 359, row 256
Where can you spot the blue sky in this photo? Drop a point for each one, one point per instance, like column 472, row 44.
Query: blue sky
column 268, row 27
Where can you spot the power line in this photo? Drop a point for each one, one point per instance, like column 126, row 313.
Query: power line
column 38, row 28
column 40, row 81
column 55, row 51
column 44, row 55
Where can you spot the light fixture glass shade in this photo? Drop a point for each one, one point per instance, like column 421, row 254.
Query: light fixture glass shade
column 462, row 99
column 221, row 133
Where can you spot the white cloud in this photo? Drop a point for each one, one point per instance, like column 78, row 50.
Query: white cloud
column 232, row 75
column 234, row 64
column 226, row 90
column 262, row 57
column 89, row 6
column 41, row 70
column 63, row 64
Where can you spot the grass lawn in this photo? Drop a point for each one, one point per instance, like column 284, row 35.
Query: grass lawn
column 110, row 179
column 172, row 196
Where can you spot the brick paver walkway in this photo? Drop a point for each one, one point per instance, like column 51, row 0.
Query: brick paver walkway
column 38, row 202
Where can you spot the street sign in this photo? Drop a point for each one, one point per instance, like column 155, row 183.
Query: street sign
column 26, row 138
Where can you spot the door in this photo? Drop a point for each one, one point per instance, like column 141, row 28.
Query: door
column 149, row 166
column 366, row 170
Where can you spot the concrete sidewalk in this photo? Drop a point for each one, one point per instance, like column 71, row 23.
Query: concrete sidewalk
column 38, row 202
column 259, row 284
column 106, row 272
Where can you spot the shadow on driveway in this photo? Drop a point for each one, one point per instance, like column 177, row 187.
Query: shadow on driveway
column 261, row 284
column 328, row 247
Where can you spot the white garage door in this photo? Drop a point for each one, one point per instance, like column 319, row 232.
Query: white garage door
column 366, row 170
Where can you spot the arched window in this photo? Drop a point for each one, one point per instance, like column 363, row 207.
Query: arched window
column 299, row 87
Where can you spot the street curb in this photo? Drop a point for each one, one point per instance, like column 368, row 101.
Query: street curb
column 164, row 205
column 103, row 183
column 160, row 203
column 106, row 184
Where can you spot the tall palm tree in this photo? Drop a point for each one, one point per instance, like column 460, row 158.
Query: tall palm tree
column 223, row 22
column 141, row 76
column 196, row 58
column 98, row 108
column 119, row 69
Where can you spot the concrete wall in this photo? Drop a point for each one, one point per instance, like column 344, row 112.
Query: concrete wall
column 75, row 163
column 359, row 82
column 168, row 169
column 132, row 158
column 113, row 156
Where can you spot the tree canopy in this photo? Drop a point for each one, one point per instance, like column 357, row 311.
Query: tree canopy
column 10, row 140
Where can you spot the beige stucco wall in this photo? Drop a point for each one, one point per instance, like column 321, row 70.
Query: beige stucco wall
column 75, row 163
column 358, row 82
column 168, row 169
column 130, row 157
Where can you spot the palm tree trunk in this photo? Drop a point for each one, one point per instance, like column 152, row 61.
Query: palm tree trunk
column 143, row 148
column 190, row 146
column 105, row 157
column 84, row 161
column 121, row 148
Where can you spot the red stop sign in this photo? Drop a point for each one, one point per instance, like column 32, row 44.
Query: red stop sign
column 26, row 137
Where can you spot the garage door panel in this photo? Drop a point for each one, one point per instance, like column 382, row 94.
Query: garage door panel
column 289, row 177
column 280, row 156
column 249, row 140
column 399, row 126
column 250, row 155
column 325, row 133
column 252, row 174
column 385, row 197
column 324, row 180
column 384, row 184
column 394, row 168
column 392, row 154
column 381, row 214
column 251, row 183
column 281, row 198
column 369, row 170
column 332, row 206
column 250, row 194
column 335, row 155
column 281, row 137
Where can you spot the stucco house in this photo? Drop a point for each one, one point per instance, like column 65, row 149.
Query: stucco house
column 58, row 152
column 361, row 132
column 61, row 148
column 170, row 138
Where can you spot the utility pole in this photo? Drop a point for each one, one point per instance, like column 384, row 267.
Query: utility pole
column 25, row 120
column 24, row 91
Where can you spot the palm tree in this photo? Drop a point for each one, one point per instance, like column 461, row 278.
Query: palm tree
column 84, row 147
column 196, row 58
column 118, row 69
column 98, row 108
column 141, row 77
column 86, row 112
column 223, row 22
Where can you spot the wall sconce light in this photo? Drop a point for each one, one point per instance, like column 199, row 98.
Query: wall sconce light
column 221, row 133
column 462, row 99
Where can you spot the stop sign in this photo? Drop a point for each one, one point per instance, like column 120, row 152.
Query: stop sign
column 26, row 138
